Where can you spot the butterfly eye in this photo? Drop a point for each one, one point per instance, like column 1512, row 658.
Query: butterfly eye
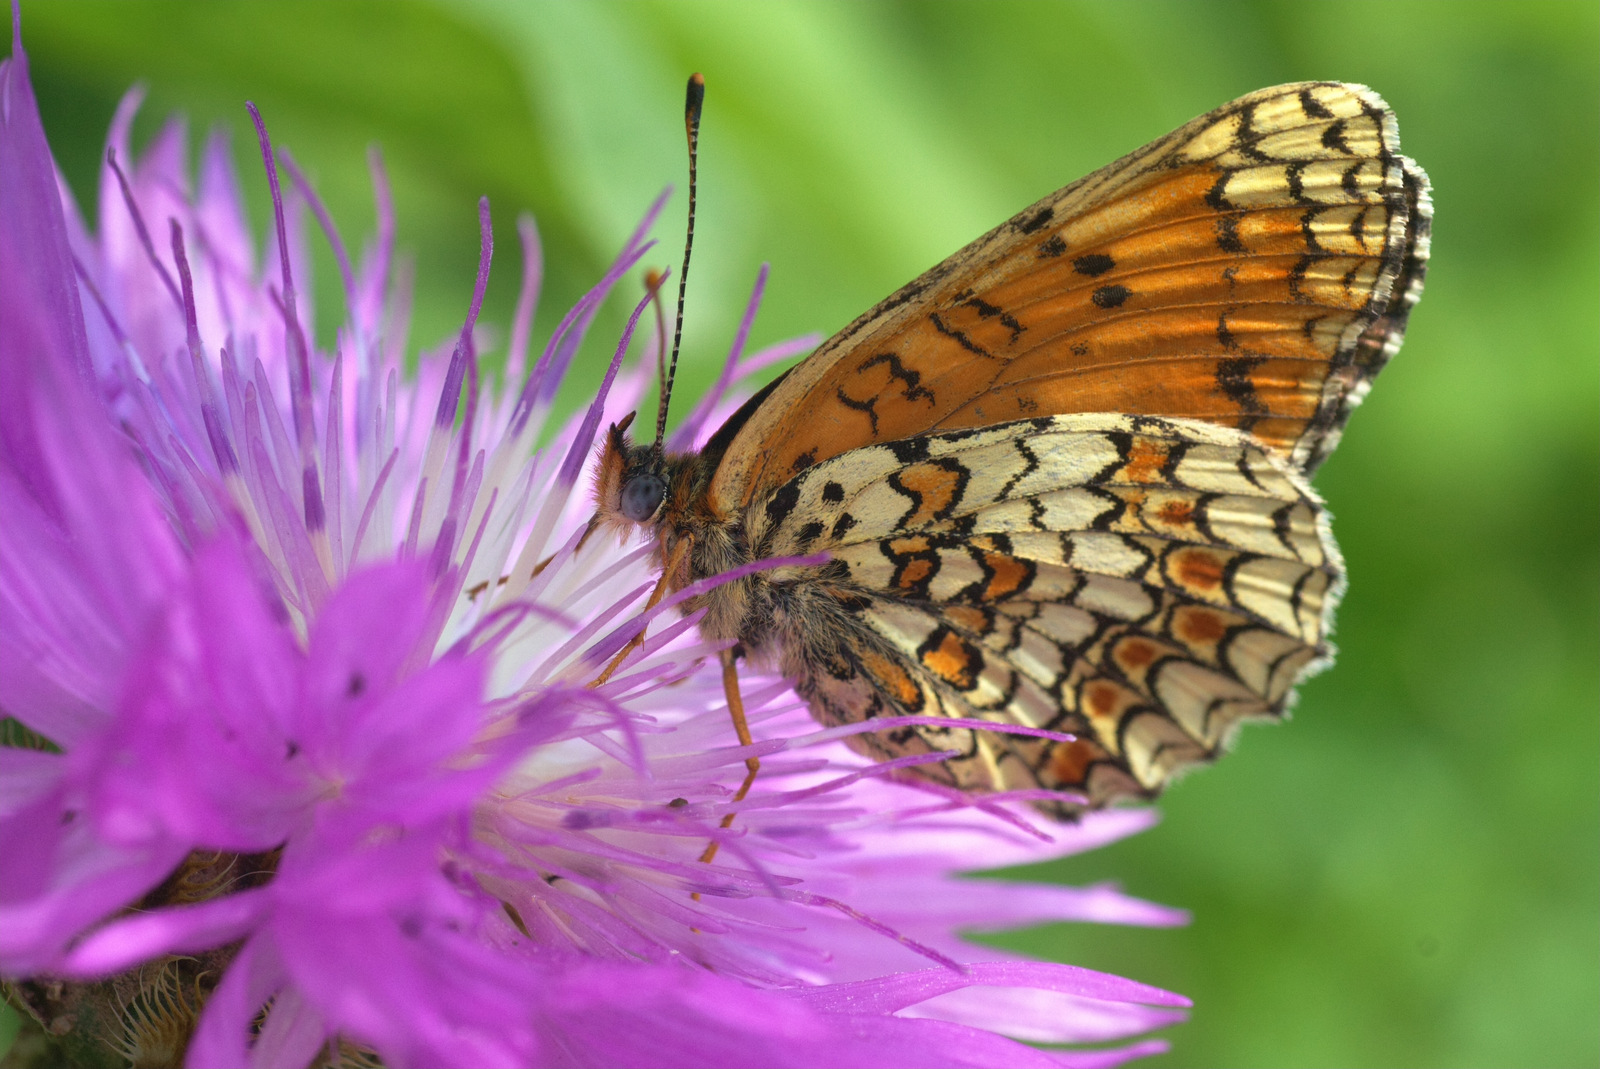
column 641, row 496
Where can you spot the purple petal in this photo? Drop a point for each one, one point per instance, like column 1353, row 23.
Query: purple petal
column 224, row 1033
column 390, row 953
column 59, row 877
column 578, row 451
column 31, row 222
column 1040, row 1016
column 25, row 776
column 203, row 747
column 84, row 552
column 370, row 632
column 292, row 1034
column 684, row 1016
column 220, row 211
column 891, row 993
column 125, row 943
column 527, row 298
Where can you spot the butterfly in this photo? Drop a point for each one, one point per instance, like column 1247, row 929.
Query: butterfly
column 1061, row 479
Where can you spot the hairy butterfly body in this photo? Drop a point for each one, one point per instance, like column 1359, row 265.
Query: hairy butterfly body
column 1061, row 479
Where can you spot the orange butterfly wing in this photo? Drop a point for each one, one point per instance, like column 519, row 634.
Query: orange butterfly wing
column 1254, row 269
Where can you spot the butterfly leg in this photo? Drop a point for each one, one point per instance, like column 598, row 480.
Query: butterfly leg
column 741, row 728
column 678, row 553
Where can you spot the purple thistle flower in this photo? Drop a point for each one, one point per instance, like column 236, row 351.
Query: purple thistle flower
column 339, row 628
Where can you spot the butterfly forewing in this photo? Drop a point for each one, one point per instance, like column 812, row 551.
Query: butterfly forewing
column 1144, row 584
column 1252, row 269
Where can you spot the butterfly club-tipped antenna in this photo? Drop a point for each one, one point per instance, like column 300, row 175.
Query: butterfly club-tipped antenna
column 631, row 481
column 694, row 98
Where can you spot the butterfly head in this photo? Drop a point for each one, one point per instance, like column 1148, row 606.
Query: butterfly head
column 631, row 482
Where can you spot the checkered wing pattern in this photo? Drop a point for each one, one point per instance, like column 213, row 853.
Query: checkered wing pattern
column 1145, row 584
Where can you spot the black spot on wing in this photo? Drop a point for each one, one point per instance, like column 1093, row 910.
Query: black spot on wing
column 1110, row 296
column 1031, row 223
column 832, row 492
column 1333, row 138
column 908, row 450
column 1093, row 264
column 782, row 502
column 1052, row 248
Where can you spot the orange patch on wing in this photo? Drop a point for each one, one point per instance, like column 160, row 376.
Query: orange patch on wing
column 1135, row 653
column 894, row 680
column 902, row 546
column 1010, row 575
column 974, row 620
column 952, row 661
column 1279, row 232
column 916, row 571
column 1069, row 761
column 1102, row 698
column 1177, row 513
column 1198, row 568
column 1145, row 460
column 1199, row 625
column 937, row 488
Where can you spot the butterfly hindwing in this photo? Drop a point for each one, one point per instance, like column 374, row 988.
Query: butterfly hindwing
column 1144, row 584
column 1254, row 269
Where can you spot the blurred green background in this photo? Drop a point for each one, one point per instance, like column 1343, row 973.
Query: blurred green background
column 1406, row 874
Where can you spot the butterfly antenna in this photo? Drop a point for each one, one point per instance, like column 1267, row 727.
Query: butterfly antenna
column 691, row 125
